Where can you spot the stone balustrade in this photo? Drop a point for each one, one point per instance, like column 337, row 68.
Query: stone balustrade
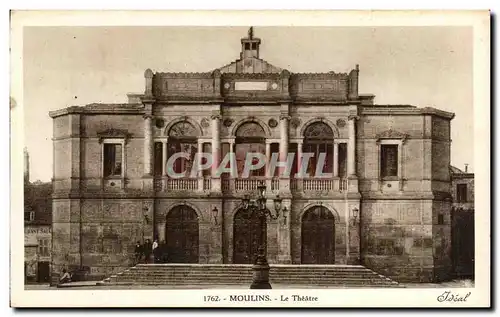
column 250, row 184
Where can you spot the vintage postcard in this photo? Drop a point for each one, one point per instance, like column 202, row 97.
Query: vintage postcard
column 250, row 159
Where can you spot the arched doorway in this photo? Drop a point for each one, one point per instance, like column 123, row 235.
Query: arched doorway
column 182, row 138
column 250, row 138
column 318, row 139
column 246, row 237
column 182, row 235
column 318, row 236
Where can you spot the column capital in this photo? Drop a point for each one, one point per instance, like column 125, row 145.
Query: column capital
column 285, row 117
column 147, row 116
column 353, row 117
column 215, row 116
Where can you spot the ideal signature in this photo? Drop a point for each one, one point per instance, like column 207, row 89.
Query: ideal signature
column 448, row 296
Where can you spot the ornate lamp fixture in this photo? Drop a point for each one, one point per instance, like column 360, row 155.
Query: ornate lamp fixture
column 258, row 206
column 215, row 214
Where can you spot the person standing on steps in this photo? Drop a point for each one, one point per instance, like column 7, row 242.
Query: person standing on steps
column 147, row 251
column 138, row 251
column 163, row 252
column 156, row 253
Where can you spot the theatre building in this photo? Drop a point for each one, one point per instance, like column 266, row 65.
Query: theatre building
column 386, row 203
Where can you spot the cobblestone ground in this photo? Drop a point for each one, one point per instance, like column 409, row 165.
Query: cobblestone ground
column 91, row 285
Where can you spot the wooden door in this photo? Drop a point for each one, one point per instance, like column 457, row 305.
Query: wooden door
column 462, row 235
column 246, row 237
column 43, row 274
column 318, row 236
column 182, row 235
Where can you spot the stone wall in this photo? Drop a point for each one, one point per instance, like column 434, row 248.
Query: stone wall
column 397, row 238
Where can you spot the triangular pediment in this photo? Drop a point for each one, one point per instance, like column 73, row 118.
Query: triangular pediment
column 250, row 65
column 391, row 134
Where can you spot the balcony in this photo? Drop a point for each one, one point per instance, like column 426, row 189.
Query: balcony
column 245, row 185
column 319, row 185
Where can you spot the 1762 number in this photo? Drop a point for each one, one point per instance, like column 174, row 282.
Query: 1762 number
column 211, row 298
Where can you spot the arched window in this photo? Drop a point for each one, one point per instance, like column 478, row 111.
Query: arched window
column 318, row 140
column 250, row 138
column 182, row 137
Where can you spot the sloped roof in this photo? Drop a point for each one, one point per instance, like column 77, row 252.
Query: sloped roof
column 38, row 198
column 239, row 65
column 456, row 170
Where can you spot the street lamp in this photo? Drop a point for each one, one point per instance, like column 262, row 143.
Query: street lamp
column 261, row 266
column 215, row 213
column 355, row 214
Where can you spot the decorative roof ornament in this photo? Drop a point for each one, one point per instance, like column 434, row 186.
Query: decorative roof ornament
column 250, row 33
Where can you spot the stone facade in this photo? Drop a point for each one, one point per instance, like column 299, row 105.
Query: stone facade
column 388, row 223
column 462, row 212
column 37, row 227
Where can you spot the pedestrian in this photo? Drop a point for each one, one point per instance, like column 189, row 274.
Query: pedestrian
column 65, row 277
column 147, row 250
column 163, row 252
column 156, row 251
column 138, row 251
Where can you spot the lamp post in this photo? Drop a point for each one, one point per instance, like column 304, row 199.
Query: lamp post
column 354, row 221
column 260, row 279
column 215, row 214
column 145, row 221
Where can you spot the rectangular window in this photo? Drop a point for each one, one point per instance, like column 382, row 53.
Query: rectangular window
column 158, row 159
column 29, row 215
column 440, row 219
column 342, row 157
column 226, row 148
column 462, row 193
column 275, row 148
column 389, row 160
column 43, row 247
column 112, row 159
column 293, row 149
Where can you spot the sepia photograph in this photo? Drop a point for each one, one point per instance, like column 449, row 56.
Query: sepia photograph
column 256, row 164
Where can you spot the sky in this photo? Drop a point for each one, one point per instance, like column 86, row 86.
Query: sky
column 67, row 66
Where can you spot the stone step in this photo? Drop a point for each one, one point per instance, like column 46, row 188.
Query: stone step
column 196, row 274
column 249, row 281
column 280, row 274
column 289, row 286
column 235, row 278
column 249, row 270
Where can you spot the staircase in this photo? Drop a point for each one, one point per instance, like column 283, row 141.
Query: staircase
column 238, row 274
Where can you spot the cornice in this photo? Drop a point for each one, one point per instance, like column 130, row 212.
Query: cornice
column 182, row 75
column 329, row 75
column 391, row 134
column 114, row 134
column 250, row 76
column 437, row 112
column 99, row 109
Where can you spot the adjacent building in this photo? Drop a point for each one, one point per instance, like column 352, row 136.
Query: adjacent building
column 386, row 204
column 37, row 228
column 462, row 219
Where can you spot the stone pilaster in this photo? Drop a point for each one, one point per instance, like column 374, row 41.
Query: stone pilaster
column 200, row 172
column 354, row 239
column 216, row 150
column 284, row 234
column 148, row 219
column 351, row 150
column 75, row 144
column 283, row 148
column 336, row 159
column 148, row 148
column 216, row 229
